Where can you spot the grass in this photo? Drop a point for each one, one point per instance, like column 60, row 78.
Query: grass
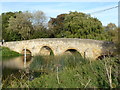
column 85, row 75
column 69, row 72
column 6, row 52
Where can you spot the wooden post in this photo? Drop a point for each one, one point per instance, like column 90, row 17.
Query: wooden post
column 25, row 57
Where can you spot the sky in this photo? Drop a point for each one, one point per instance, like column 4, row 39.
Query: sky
column 52, row 9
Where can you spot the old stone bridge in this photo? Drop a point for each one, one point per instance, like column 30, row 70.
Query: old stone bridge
column 88, row 48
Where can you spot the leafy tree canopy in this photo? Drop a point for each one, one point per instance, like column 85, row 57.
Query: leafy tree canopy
column 76, row 25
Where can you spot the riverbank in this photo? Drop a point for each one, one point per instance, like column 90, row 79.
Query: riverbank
column 68, row 72
column 6, row 52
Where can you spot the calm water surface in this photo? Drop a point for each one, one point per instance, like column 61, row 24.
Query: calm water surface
column 34, row 66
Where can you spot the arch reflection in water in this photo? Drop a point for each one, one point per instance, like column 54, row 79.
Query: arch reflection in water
column 17, row 62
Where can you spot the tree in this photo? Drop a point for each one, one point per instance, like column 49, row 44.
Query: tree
column 21, row 24
column 26, row 25
column 118, row 44
column 39, row 18
column 39, row 24
column 110, row 26
column 5, row 19
column 56, row 25
column 111, row 30
column 77, row 25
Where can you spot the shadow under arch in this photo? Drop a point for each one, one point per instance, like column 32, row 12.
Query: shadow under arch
column 46, row 50
column 72, row 52
column 104, row 56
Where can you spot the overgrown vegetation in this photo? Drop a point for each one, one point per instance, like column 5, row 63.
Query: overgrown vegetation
column 68, row 72
column 74, row 72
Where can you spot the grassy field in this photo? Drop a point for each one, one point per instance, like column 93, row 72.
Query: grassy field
column 6, row 52
column 68, row 72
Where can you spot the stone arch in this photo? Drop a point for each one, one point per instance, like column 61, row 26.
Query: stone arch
column 72, row 52
column 46, row 50
column 28, row 52
column 104, row 56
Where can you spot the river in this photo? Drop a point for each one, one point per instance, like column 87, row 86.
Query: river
column 30, row 67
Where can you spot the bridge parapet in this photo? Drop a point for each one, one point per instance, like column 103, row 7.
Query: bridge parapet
column 86, row 47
